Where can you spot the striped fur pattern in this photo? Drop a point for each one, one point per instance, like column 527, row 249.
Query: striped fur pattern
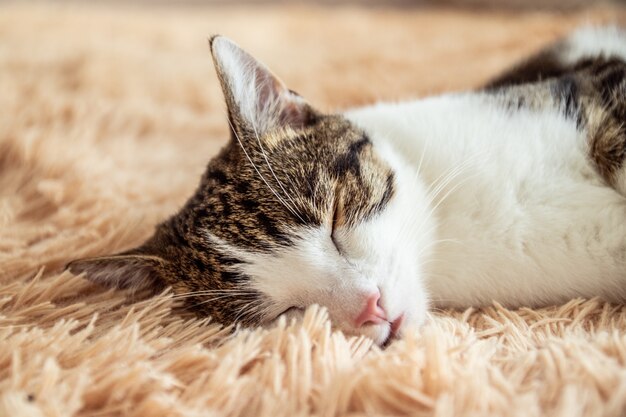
column 584, row 76
column 514, row 192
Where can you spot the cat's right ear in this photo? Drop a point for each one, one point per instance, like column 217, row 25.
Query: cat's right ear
column 123, row 271
column 257, row 100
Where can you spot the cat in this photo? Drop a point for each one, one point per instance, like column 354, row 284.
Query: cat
column 514, row 192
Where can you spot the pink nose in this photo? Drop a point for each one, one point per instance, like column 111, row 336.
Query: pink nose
column 373, row 313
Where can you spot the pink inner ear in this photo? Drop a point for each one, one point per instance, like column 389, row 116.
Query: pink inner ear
column 274, row 96
column 269, row 89
column 260, row 97
column 294, row 113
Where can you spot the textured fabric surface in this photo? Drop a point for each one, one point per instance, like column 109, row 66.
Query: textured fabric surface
column 108, row 117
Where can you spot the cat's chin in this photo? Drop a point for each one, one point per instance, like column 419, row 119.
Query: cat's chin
column 382, row 334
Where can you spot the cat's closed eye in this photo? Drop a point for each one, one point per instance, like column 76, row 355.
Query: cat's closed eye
column 288, row 215
column 303, row 207
column 335, row 223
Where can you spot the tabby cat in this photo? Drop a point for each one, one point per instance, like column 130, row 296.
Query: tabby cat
column 515, row 193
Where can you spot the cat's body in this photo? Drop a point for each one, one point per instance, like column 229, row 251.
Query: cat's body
column 514, row 193
column 522, row 215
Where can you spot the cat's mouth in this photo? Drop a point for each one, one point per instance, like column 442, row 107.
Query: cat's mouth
column 383, row 332
column 394, row 330
column 395, row 325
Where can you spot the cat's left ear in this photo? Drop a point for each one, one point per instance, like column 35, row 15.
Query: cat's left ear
column 257, row 100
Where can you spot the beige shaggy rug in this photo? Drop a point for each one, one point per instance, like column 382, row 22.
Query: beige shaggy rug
column 108, row 116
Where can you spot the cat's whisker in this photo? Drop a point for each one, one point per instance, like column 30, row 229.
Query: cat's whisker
column 189, row 295
column 312, row 191
column 261, row 310
column 245, row 310
column 454, row 188
column 216, row 291
column 418, row 171
column 453, row 174
column 435, row 243
column 447, row 179
column 257, row 312
column 441, row 201
column 463, row 165
column 268, row 314
column 212, row 299
column 280, row 184
column 283, row 202
column 434, row 194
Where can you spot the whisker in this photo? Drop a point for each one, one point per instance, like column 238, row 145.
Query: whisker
column 447, row 179
column 451, row 175
column 280, row 184
column 215, row 291
column 212, row 292
column 261, row 176
column 424, row 151
column 454, row 188
column 261, row 314
column 218, row 290
column 215, row 298
column 243, row 311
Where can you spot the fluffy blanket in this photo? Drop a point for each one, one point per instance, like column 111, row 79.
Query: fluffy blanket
column 108, row 117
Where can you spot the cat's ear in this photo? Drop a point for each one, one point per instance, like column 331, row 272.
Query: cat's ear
column 127, row 270
column 257, row 100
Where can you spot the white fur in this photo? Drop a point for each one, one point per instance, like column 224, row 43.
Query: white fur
column 490, row 204
column 528, row 221
column 593, row 42
column 383, row 253
column 258, row 94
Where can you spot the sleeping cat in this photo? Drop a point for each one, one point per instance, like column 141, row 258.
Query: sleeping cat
column 514, row 193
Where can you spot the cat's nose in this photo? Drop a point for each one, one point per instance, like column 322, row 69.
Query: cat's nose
column 372, row 313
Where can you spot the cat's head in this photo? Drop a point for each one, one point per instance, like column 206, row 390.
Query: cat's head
column 299, row 208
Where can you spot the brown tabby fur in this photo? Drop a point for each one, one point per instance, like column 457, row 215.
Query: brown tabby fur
column 264, row 188
column 331, row 174
column 592, row 91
